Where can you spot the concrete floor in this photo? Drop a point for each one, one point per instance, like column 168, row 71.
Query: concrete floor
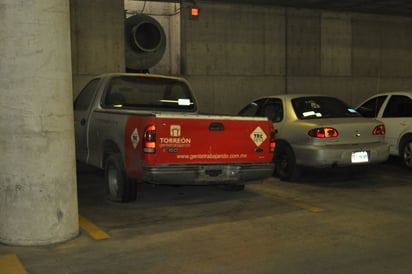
column 333, row 221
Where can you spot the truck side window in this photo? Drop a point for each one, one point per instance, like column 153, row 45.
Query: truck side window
column 83, row 100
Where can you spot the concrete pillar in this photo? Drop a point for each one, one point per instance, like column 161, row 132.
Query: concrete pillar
column 38, row 195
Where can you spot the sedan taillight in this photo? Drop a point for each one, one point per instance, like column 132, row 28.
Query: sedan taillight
column 379, row 130
column 324, row 132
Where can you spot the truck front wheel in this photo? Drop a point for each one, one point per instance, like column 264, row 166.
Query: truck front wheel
column 119, row 188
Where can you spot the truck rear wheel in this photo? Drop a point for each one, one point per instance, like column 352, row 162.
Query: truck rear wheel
column 119, row 188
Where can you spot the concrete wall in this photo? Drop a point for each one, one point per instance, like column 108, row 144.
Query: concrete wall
column 234, row 53
column 97, row 28
column 97, row 35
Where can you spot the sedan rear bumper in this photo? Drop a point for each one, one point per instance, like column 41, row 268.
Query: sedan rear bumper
column 206, row 174
column 340, row 155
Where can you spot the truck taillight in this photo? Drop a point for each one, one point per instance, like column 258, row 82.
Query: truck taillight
column 272, row 142
column 149, row 139
column 379, row 130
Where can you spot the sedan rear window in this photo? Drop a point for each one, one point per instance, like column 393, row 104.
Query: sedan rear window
column 314, row 107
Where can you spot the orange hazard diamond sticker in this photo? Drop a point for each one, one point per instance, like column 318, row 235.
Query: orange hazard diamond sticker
column 258, row 136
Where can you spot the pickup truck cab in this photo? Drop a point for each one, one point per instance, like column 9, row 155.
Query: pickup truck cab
column 394, row 109
column 147, row 128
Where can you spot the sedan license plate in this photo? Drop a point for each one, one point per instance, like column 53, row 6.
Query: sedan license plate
column 360, row 157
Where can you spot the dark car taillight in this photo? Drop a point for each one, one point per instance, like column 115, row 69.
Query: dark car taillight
column 324, row 132
column 379, row 130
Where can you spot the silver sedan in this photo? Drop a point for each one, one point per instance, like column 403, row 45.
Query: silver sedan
column 319, row 131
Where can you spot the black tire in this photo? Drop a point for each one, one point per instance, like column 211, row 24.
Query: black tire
column 285, row 164
column 119, row 188
column 406, row 153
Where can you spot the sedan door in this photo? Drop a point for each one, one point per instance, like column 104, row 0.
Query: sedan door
column 397, row 117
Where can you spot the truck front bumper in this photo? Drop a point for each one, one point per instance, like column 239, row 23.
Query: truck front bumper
column 208, row 174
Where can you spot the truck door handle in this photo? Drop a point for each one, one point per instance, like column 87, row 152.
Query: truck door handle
column 82, row 122
column 216, row 126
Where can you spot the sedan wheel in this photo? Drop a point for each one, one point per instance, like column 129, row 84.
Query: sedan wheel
column 407, row 153
column 285, row 164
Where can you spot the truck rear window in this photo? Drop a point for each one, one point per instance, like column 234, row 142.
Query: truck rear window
column 148, row 93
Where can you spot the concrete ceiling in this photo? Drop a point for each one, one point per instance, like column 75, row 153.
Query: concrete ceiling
column 387, row 7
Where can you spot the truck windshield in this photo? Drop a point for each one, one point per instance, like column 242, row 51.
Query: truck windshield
column 148, row 93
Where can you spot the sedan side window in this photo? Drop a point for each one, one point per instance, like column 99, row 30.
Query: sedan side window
column 399, row 106
column 273, row 110
column 249, row 110
column 252, row 108
column 371, row 108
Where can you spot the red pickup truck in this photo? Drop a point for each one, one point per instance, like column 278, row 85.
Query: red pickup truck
column 146, row 128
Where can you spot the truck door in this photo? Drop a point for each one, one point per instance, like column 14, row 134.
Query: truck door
column 82, row 109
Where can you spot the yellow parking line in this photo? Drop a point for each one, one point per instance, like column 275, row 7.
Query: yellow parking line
column 306, row 206
column 10, row 264
column 95, row 232
column 287, row 200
